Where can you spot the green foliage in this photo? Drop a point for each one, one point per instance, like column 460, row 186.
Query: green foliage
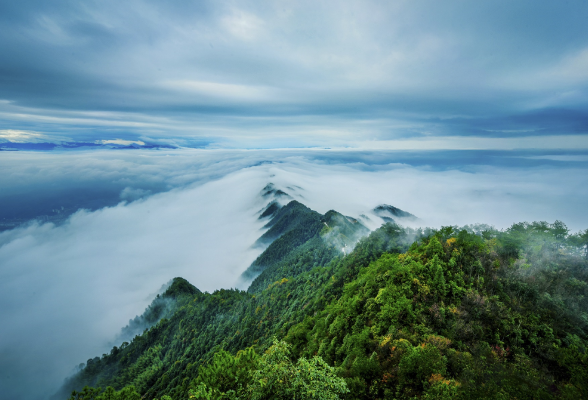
column 278, row 378
column 455, row 313
column 226, row 376
column 419, row 363
column 273, row 376
column 180, row 287
column 88, row 393
column 574, row 357
column 459, row 315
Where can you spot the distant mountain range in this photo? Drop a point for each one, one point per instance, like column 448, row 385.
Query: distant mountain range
column 45, row 146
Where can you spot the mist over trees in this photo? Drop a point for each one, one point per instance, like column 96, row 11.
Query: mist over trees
column 448, row 313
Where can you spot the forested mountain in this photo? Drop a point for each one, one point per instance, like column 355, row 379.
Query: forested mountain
column 400, row 313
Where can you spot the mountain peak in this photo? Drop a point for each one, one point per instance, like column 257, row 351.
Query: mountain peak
column 388, row 213
column 270, row 190
column 277, row 198
column 180, row 286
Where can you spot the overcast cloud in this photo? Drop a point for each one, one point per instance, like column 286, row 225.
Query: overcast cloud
column 283, row 74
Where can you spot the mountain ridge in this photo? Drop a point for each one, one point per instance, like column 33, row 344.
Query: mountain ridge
column 406, row 313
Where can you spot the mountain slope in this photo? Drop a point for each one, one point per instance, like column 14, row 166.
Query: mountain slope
column 338, row 235
column 407, row 314
column 100, row 369
column 293, row 226
column 227, row 319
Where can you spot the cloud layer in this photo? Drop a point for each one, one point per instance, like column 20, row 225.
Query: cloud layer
column 67, row 290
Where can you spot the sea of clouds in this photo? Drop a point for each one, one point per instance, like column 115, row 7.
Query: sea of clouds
column 67, row 289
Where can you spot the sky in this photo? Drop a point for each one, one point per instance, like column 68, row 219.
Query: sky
column 281, row 74
column 136, row 136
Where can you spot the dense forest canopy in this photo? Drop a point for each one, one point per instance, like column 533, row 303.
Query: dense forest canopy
column 460, row 313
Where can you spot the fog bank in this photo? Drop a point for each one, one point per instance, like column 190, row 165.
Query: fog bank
column 66, row 290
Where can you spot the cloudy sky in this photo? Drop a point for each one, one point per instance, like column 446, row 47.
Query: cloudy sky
column 456, row 111
column 360, row 74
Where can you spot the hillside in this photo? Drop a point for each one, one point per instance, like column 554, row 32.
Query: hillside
column 453, row 313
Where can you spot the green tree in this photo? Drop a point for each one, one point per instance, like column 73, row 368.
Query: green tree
column 580, row 240
column 420, row 363
column 87, row 393
column 226, row 376
column 278, row 378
